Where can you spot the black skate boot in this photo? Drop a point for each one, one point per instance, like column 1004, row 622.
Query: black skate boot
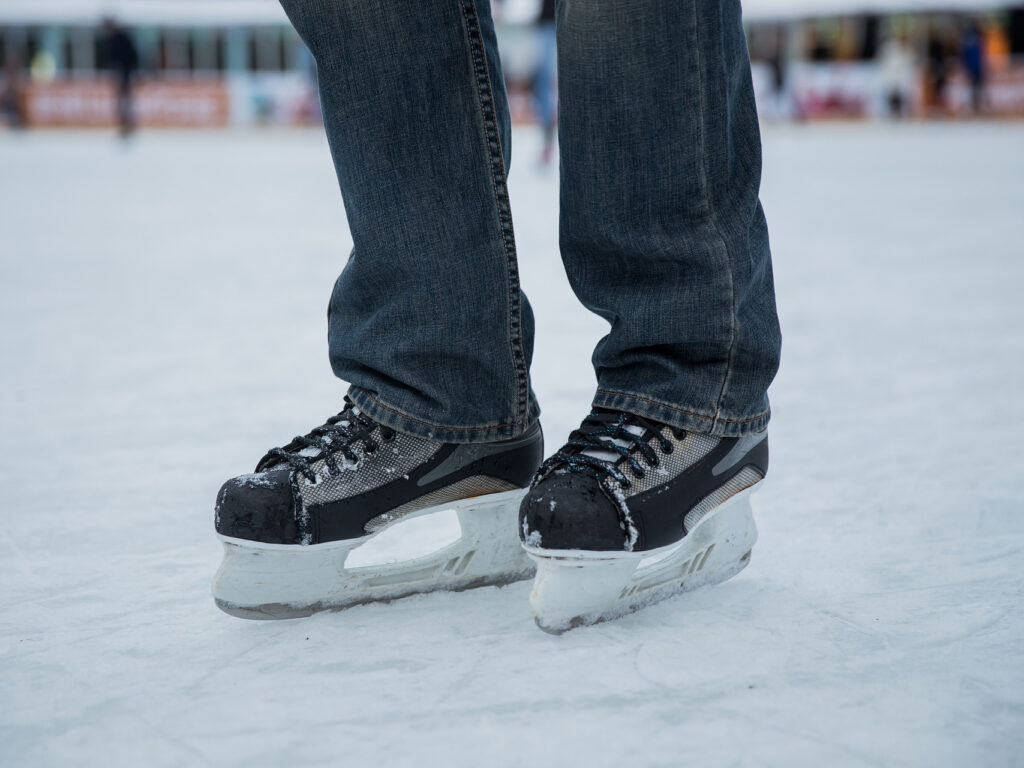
column 631, row 511
column 288, row 528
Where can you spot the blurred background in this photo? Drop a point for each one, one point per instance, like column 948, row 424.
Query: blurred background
column 219, row 63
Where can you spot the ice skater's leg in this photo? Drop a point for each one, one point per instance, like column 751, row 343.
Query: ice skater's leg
column 662, row 232
column 427, row 321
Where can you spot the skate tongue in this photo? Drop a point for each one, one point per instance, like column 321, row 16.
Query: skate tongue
column 612, row 456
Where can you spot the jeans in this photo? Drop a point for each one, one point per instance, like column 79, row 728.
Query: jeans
column 661, row 230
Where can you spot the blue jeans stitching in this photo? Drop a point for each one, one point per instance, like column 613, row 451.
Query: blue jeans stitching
column 497, row 167
column 713, row 216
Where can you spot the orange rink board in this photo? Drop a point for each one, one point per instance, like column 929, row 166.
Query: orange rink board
column 93, row 103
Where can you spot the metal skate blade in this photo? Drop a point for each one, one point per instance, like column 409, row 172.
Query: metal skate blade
column 265, row 612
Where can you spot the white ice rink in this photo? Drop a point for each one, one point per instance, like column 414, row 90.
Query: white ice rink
column 162, row 323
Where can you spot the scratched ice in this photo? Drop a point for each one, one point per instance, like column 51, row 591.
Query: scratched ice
column 162, row 325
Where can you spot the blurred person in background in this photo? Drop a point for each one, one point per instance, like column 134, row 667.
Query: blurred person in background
column 781, row 102
column 12, row 97
column 937, row 73
column 544, row 99
column 662, row 234
column 972, row 56
column 996, row 46
column 898, row 73
column 121, row 57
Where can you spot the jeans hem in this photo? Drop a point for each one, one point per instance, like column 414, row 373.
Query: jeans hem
column 400, row 421
column 689, row 419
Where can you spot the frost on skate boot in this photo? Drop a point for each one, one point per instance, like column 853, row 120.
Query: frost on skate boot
column 290, row 528
column 631, row 511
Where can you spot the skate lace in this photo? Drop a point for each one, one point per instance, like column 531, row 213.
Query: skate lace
column 338, row 435
column 607, row 432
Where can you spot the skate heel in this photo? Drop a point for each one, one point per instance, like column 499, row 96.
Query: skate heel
column 579, row 587
column 279, row 581
column 570, row 591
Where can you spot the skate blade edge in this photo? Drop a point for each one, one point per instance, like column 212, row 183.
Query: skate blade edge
column 575, row 588
column 283, row 611
column 286, row 581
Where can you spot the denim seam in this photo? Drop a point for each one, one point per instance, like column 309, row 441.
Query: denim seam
column 485, row 100
column 713, row 215
column 404, row 415
column 696, row 415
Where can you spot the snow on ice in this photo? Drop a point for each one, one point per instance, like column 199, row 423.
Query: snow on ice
column 162, row 310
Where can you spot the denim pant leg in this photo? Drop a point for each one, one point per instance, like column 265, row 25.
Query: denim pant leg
column 661, row 230
column 427, row 321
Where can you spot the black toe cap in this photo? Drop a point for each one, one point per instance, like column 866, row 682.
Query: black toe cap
column 570, row 511
column 259, row 507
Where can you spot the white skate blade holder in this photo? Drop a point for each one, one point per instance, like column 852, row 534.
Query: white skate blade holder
column 580, row 587
column 277, row 581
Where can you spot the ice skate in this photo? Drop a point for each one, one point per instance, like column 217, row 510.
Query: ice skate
column 290, row 528
column 630, row 512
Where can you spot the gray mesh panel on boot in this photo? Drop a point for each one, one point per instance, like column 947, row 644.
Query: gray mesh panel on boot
column 686, row 452
column 389, row 462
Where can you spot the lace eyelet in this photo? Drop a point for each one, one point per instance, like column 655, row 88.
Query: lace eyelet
column 387, row 437
column 371, row 448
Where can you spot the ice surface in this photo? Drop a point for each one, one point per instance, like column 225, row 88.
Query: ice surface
column 162, row 325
